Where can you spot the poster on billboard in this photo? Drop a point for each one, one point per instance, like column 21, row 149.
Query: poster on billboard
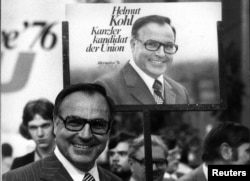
column 145, row 58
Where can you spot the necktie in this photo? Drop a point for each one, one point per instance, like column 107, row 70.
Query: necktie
column 157, row 86
column 88, row 177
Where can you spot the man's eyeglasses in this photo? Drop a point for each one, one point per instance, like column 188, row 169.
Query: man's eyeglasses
column 152, row 45
column 97, row 126
column 157, row 162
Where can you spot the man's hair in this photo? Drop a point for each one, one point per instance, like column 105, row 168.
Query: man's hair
column 42, row 107
column 139, row 23
column 233, row 134
column 138, row 142
column 122, row 136
column 87, row 88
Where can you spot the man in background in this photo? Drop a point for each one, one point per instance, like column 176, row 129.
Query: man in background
column 37, row 124
column 137, row 158
column 118, row 154
column 173, row 171
column 82, row 118
column 227, row 143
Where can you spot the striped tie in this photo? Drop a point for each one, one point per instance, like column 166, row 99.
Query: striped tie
column 88, row 177
column 157, row 86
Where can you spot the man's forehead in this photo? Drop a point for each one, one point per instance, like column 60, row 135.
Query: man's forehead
column 156, row 31
column 121, row 146
column 245, row 145
column 154, row 27
column 38, row 120
column 86, row 101
column 158, row 151
column 83, row 97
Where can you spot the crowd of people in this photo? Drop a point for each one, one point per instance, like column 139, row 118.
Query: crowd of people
column 73, row 133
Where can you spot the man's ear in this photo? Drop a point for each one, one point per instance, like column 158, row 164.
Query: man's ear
column 226, row 152
column 132, row 43
column 131, row 163
column 55, row 122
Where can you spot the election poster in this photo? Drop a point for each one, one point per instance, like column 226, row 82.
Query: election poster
column 103, row 49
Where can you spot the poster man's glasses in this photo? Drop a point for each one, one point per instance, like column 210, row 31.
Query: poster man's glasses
column 152, row 45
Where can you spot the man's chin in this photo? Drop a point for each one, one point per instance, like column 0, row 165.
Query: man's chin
column 123, row 174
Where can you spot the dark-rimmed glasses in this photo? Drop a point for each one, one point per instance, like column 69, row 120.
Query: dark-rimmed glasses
column 152, row 45
column 97, row 126
column 157, row 162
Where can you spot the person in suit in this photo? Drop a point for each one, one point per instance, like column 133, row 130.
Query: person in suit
column 174, row 155
column 143, row 80
column 136, row 159
column 227, row 143
column 118, row 154
column 37, row 124
column 82, row 119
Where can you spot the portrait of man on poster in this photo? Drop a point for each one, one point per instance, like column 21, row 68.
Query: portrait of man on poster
column 143, row 80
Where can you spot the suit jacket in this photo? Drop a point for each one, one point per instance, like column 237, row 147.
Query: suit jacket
column 195, row 175
column 126, row 87
column 49, row 169
column 23, row 160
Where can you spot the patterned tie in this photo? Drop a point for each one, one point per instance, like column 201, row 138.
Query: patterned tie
column 157, row 86
column 88, row 177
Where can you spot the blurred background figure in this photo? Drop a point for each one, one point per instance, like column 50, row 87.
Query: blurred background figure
column 227, row 143
column 136, row 155
column 7, row 158
column 118, row 154
column 175, row 168
column 37, row 124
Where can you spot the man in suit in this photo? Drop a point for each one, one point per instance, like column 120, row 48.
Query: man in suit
column 118, row 154
column 143, row 79
column 226, row 144
column 136, row 159
column 37, row 124
column 82, row 119
column 174, row 155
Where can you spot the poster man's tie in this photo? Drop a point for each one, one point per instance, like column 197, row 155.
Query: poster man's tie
column 88, row 177
column 157, row 86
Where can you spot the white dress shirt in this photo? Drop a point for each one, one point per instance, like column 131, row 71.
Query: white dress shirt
column 75, row 173
column 205, row 170
column 149, row 81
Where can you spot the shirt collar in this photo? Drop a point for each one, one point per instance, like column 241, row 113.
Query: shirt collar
column 149, row 81
column 168, row 176
column 205, row 170
column 76, row 174
column 37, row 156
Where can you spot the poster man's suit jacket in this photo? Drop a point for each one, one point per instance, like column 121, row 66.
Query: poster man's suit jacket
column 126, row 87
column 49, row 169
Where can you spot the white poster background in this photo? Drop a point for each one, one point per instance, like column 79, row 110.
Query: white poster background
column 195, row 23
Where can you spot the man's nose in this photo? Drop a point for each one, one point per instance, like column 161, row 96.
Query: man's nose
column 40, row 132
column 85, row 133
column 154, row 166
column 116, row 156
column 160, row 52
